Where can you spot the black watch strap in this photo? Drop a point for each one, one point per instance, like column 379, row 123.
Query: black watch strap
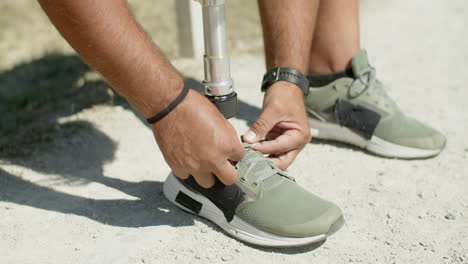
column 285, row 74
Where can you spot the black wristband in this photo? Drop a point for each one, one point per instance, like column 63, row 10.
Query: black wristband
column 170, row 107
column 286, row 74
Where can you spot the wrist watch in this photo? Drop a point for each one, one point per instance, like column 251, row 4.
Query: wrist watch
column 285, row 74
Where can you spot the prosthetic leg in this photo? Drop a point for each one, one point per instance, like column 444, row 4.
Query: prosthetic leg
column 218, row 83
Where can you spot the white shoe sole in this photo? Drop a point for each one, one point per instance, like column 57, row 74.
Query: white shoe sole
column 329, row 131
column 237, row 227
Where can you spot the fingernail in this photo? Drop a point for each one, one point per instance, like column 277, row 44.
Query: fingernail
column 250, row 136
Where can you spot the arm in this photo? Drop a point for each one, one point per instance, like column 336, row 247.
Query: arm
column 108, row 38
column 194, row 138
column 288, row 28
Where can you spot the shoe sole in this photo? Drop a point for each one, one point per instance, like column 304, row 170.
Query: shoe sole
column 329, row 131
column 237, row 227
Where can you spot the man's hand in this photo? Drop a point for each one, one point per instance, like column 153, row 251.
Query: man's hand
column 197, row 140
column 283, row 123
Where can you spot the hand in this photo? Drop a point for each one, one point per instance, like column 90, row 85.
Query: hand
column 197, row 140
column 283, row 123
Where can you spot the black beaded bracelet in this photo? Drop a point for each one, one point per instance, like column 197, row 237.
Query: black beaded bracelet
column 170, row 107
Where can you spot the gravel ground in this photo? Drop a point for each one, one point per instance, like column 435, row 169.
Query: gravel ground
column 93, row 193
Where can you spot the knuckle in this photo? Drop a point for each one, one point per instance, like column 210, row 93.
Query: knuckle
column 282, row 165
column 275, row 105
column 228, row 176
column 211, row 164
column 205, row 183
column 222, row 147
column 182, row 176
column 237, row 149
column 212, row 158
column 225, row 149
column 261, row 124
column 230, row 180
column 192, row 165
column 308, row 137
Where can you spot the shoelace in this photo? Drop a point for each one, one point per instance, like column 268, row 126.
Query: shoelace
column 367, row 78
column 264, row 174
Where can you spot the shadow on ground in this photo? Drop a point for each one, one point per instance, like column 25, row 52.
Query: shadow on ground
column 33, row 97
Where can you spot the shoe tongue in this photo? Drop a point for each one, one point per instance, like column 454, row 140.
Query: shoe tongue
column 252, row 156
column 360, row 63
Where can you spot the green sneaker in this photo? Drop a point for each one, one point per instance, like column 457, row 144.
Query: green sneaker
column 266, row 207
column 358, row 111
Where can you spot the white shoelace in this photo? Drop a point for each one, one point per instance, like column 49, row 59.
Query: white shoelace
column 368, row 78
column 263, row 174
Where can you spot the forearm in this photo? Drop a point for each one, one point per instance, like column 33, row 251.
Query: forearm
column 107, row 37
column 288, row 28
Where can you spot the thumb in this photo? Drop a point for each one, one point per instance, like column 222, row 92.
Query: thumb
column 260, row 128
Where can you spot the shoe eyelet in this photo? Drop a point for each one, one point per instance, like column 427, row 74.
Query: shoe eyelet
column 242, row 179
column 254, row 184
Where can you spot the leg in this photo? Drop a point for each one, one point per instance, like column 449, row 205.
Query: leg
column 336, row 39
column 288, row 30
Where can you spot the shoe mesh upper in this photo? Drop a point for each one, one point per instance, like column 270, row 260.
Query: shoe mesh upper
column 285, row 204
column 282, row 203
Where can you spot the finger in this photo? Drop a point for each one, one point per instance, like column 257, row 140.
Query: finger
column 204, row 179
column 273, row 134
column 261, row 127
column 237, row 152
column 181, row 174
column 284, row 160
column 286, row 142
column 226, row 173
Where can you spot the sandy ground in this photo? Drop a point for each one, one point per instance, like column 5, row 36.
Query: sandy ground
column 94, row 195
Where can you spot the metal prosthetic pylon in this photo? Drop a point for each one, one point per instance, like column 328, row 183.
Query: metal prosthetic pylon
column 219, row 87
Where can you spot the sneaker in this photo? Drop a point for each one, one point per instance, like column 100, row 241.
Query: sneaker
column 266, row 207
column 356, row 110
